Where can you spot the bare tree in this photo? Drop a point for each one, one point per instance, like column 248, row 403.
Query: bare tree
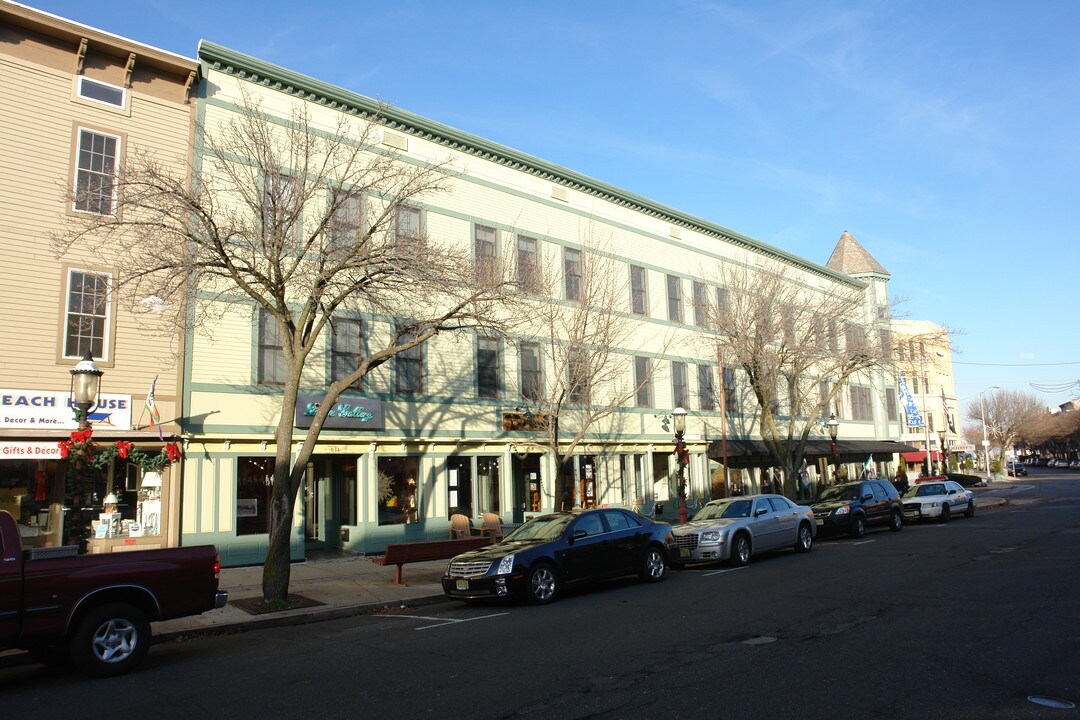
column 1008, row 414
column 797, row 348
column 585, row 344
column 309, row 222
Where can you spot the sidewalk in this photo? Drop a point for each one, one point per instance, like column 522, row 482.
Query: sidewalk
column 341, row 586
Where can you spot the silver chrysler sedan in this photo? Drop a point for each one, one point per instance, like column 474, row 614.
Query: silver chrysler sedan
column 737, row 527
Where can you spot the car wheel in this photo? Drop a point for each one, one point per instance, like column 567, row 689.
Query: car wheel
column 653, row 568
column 740, row 550
column 970, row 512
column 858, row 526
column 944, row 514
column 110, row 640
column 542, row 585
column 805, row 539
column 896, row 522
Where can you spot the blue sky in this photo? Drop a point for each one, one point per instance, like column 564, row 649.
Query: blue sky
column 943, row 136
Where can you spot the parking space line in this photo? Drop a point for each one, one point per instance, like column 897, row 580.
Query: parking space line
column 725, row 570
column 861, row 542
column 443, row 621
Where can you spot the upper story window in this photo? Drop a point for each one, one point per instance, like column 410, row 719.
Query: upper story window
column 573, row 273
column 407, row 229
column 279, row 208
column 343, row 229
column 578, row 375
column 529, row 364
column 410, row 369
column 730, row 391
column 891, row 411
column 701, row 304
column 638, row 299
column 271, row 355
column 345, row 351
column 706, row 391
column 95, row 175
column 488, row 368
column 485, row 241
column 679, row 388
column 102, row 92
column 643, row 381
column 674, row 299
column 528, row 264
column 861, row 405
column 87, row 316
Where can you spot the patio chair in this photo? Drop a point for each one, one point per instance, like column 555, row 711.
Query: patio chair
column 491, row 525
column 461, row 527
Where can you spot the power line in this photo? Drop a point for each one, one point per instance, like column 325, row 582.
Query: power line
column 958, row 362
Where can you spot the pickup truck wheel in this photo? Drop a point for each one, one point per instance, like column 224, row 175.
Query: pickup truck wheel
column 858, row 526
column 110, row 640
column 970, row 512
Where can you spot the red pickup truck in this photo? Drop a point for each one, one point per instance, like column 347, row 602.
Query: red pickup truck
column 95, row 610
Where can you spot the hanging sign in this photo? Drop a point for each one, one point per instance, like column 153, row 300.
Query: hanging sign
column 50, row 410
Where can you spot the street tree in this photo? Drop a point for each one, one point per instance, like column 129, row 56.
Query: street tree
column 310, row 222
column 797, row 347
column 1008, row 414
column 578, row 331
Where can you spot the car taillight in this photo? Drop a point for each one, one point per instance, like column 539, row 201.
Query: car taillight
column 217, row 565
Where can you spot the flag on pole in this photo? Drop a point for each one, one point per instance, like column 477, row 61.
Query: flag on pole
column 151, row 407
column 868, row 468
column 914, row 419
column 945, row 407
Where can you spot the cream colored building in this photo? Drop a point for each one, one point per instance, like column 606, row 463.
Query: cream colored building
column 398, row 469
column 75, row 100
column 924, row 361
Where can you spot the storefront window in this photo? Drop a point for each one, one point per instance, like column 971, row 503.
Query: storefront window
column 398, row 500
column 459, row 485
column 254, row 490
column 33, row 492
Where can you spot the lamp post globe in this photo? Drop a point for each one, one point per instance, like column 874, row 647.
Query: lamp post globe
column 85, row 383
column 678, row 417
column 833, row 426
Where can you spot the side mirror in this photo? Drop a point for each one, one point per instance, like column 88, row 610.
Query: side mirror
column 868, row 496
column 577, row 535
column 760, row 512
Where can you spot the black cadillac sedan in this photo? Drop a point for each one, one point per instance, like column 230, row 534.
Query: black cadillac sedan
column 559, row 550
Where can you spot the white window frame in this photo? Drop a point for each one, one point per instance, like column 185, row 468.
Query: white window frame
column 79, row 170
column 107, row 331
column 82, row 80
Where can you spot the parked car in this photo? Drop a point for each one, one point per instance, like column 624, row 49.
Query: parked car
column 736, row 528
column 95, row 610
column 1016, row 469
column 853, row 506
column 938, row 501
column 539, row 558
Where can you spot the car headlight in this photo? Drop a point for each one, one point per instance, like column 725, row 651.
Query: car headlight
column 506, row 565
column 933, row 504
column 710, row 535
column 842, row 510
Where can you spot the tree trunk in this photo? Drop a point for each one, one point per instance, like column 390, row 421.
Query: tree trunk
column 278, row 564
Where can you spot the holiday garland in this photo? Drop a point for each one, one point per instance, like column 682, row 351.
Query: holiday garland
column 85, row 456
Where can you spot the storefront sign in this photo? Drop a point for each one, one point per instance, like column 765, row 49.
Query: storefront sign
column 49, row 410
column 29, row 450
column 352, row 412
column 962, row 447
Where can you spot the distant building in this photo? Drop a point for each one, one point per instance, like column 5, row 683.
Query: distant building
column 924, row 361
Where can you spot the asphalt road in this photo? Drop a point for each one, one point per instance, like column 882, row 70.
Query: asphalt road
column 958, row 620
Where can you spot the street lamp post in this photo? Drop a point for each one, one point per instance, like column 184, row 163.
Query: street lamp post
column 85, row 383
column 834, row 426
column 678, row 416
column 944, row 451
column 986, row 438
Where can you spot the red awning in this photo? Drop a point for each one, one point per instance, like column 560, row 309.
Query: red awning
column 919, row 455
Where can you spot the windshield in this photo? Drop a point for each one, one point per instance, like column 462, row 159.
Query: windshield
column 839, row 492
column 729, row 509
column 924, row 490
column 547, row 527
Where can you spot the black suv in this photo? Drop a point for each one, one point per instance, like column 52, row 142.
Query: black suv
column 852, row 506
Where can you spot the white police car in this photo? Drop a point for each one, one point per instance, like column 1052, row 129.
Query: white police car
column 938, row 501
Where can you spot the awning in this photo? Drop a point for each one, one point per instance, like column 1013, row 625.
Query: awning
column 919, row 456
column 745, row 453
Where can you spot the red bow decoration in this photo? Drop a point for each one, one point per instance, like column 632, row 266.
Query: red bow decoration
column 65, row 449
column 123, row 448
column 173, row 451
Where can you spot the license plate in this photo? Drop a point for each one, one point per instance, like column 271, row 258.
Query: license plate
column 819, row 521
column 684, row 552
column 462, row 584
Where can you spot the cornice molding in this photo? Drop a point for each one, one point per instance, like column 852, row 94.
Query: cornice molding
column 246, row 67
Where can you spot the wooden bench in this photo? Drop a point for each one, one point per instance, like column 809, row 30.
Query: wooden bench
column 400, row 553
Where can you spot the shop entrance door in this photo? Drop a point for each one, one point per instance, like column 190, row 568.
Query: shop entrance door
column 587, row 481
column 527, row 485
column 329, row 500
